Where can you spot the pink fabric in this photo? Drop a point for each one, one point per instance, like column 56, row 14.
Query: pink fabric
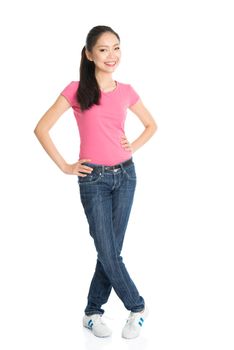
column 102, row 126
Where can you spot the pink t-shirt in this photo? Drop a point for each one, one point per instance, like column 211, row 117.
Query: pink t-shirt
column 102, row 126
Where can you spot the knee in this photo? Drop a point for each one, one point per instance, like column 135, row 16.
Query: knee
column 110, row 261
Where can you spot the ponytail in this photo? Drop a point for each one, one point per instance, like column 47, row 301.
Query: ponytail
column 88, row 92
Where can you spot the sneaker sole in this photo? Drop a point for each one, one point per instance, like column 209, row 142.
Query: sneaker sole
column 99, row 336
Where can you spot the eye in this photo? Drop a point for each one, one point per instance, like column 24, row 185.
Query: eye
column 117, row 48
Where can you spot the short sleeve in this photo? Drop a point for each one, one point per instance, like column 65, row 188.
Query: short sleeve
column 69, row 92
column 133, row 96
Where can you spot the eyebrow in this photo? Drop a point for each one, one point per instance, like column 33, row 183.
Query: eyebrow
column 107, row 45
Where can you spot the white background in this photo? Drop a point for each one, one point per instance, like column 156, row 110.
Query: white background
column 178, row 55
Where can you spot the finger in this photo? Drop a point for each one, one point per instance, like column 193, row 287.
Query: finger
column 89, row 169
column 127, row 147
column 81, row 174
column 84, row 171
column 84, row 160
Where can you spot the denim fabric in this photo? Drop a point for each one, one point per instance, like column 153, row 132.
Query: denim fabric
column 107, row 197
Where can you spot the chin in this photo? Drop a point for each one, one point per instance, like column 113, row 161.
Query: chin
column 108, row 70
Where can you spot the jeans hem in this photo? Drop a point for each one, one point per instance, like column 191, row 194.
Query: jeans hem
column 94, row 313
column 138, row 310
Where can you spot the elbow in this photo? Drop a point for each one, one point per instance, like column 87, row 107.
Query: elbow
column 39, row 133
column 35, row 131
column 39, row 130
column 153, row 127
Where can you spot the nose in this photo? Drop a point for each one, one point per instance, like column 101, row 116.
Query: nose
column 111, row 54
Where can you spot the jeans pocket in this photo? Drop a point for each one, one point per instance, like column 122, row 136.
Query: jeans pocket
column 89, row 179
column 131, row 172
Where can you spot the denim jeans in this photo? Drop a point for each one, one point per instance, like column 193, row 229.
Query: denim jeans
column 107, row 197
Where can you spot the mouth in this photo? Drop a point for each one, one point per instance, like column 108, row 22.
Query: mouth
column 110, row 64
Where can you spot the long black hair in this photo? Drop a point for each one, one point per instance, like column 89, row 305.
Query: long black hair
column 88, row 92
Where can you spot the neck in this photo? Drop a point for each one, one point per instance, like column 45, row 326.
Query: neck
column 104, row 79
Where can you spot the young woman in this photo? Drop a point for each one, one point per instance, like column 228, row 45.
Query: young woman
column 105, row 170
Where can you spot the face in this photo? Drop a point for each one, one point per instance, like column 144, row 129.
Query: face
column 106, row 53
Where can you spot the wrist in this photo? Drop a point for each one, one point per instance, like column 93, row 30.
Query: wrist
column 63, row 167
column 133, row 148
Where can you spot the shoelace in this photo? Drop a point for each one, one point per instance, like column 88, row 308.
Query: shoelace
column 138, row 317
column 132, row 317
column 100, row 319
column 104, row 316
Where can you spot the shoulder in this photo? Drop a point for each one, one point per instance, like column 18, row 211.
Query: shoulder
column 130, row 93
column 69, row 91
column 127, row 87
column 124, row 85
column 74, row 84
column 70, row 87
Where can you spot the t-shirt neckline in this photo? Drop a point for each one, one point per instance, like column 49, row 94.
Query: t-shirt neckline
column 110, row 92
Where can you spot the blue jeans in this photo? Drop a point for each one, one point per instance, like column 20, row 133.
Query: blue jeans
column 107, row 197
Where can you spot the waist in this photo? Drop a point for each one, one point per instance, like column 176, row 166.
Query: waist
column 101, row 167
column 103, row 150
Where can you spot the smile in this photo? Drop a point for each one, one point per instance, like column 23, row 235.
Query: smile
column 110, row 64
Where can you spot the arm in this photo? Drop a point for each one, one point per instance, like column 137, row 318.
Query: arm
column 149, row 123
column 42, row 133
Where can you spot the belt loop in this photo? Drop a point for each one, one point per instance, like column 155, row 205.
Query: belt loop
column 103, row 169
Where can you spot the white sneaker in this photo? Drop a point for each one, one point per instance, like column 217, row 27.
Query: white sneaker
column 96, row 325
column 134, row 323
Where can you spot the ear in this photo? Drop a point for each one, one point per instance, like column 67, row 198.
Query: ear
column 88, row 55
